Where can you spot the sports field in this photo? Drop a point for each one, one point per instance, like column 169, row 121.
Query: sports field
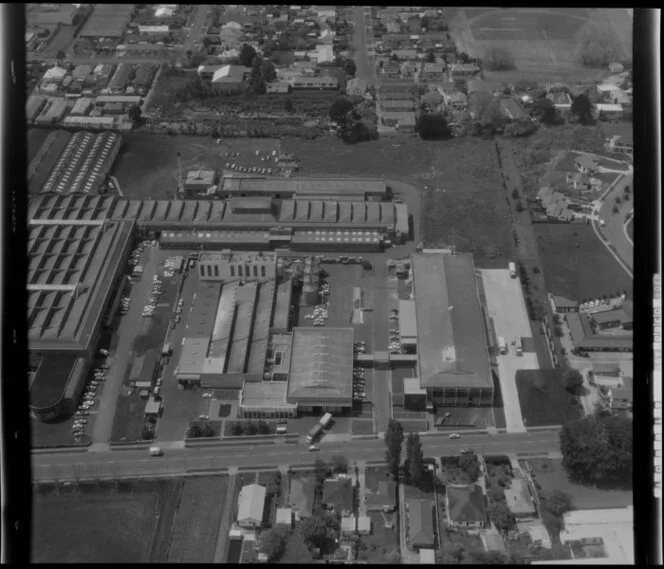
column 543, row 41
column 103, row 523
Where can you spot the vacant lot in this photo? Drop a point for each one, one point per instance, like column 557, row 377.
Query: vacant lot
column 542, row 40
column 543, row 398
column 550, row 475
column 197, row 521
column 382, row 545
column 107, row 523
column 57, row 434
column 362, row 427
column 588, row 270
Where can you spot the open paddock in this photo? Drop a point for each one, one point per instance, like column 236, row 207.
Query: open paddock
column 544, row 400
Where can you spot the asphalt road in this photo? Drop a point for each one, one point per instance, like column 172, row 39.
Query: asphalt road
column 178, row 461
column 614, row 228
column 365, row 66
column 197, row 27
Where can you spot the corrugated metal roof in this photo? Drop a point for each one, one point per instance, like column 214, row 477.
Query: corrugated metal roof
column 316, row 211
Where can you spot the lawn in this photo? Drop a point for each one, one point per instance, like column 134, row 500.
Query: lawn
column 167, row 83
column 57, row 434
column 362, row 427
column 195, row 533
column 543, row 398
column 296, row 551
column 106, row 523
column 413, row 426
column 382, row 545
column 128, row 417
column 550, row 475
column 587, row 271
column 451, row 473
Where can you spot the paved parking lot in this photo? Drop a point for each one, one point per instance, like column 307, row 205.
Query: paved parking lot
column 507, row 308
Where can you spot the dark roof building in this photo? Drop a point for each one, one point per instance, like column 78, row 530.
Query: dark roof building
column 338, row 495
column 584, row 338
column 466, row 505
column 420, row 532
column 301, row 498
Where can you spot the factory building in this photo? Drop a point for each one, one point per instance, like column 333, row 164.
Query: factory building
column 453, row 358
column 356, row 189
column 199, row 182
column 75, row 269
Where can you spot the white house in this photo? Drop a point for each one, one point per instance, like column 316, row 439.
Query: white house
column 251, row 504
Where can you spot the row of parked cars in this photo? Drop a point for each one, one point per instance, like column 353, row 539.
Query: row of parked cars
column 395, row 344
column 155, row 294
column 359, row 392
column 95, row 378
column 248, row 169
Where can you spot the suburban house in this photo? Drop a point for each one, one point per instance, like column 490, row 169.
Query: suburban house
column 519, row 499
column 462, row 70
column 284, row 518
column 405, row 54
column 348, row 525
column 584, row 338
column 401, row 120
column 610, row 110
column 277, row 87
column 558, row 208
column 563, row 304
column 493, row 542
column 606, row 373
column 315, row 83
column 357, row 87
column 616, row 67
column 454, row 99
column 404, row 105
column 433, row 99
column 433, row 72
column 393, row 27
column 621, row 396
column 621, row 143
column 586, row 164
column 391, row 70
column 301, row 498
column 512, row 109
column 381, row 497
column 229, row 54
column 419, row 529
column 307, row 68
column 364, row 525
column 465, row 506
column 251, row 504
column 231, row 74
column 561, row 100
column 338, row 495
column 618, row 318
column 493, row 87
column 582, row 181
column 409, row 69
column 544, row 195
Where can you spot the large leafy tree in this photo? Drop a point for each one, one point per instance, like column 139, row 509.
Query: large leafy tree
column 598, row 449
column 339, row 463
column 501, row 516
column 321, row 470
column 314, row 531
column 582, row 108
column 557, row 502
column 498, row 59
column 393, row 443
column 573, row 381
column 486, row 109
column 340, row 109
column 432, row 126
column 597, row 44
column 544, row 110
column 272, row 544
column 247, row 55
column 415, row 457
column 470, row 465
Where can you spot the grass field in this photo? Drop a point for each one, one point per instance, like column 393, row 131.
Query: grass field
column 543, row 398
column 578, row 272
column 362, row 427
column 196, row 528
column 382, row 545
column 108, row 523
column 542, row 41
column 550, row 475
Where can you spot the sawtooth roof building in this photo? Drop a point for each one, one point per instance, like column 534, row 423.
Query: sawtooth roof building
column 453, row 357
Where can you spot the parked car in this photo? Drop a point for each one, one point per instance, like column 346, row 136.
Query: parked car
column 455, row 436
column 467, row 451
column 313, row 448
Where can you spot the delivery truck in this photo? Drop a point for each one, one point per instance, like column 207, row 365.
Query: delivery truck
column 502, row 345
column 518, row 345
column 512, row 267
column 318, row 428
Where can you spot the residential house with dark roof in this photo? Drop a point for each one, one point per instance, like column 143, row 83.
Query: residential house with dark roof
column 301, row 497
column 585, row 339
column 586, row 164
column 405, row 54
column 479, row 85
column 520, row 500
column 465, row 506
column 433, row 72
column 463, row 70
column 561, row 100
column 609, row 319
column 557, row 208
column 391, row 70
column 606, row 369
column 400, row 105
column 381, row 496
column 402, row 120
column 563, row 304
column 621, row 396
column 512, row 109
column 338, row 495
column 410, row 68
column 420, row 530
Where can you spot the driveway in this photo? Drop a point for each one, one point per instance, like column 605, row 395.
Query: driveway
column 614, row 228
column 408, row 557
column 382, row 381
column 362, row 39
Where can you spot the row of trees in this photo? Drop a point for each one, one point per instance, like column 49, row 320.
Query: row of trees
column 353, row 126
column 252, row 428
column 414, row 468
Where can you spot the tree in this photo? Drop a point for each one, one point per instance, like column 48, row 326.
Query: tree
column 432, row 126
column 272, row 544
column 321, row 470
column 340, row 109
column 393, row 442
column 314, row 531
column 486, row 109
column 470, row 465
column 582, row 108
column 515, row 194
column 430, row 57
column 490, row 558
column 349, row 67
column 288, row 106
column 615, row 209
column 501, row 516
column 247, row 55
column 135, row 114
column 268, row 72
column 339, row 463
column 60, row 56
column 572, row 380
column 415, row 458
column 498, row 59
column 263, row 428
column 598, row 449
column 544, row 110
column 557, row 502
column 249, row 428
column 597, row 44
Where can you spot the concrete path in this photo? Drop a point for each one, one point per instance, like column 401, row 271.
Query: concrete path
column 362, row 507
column 408, row 557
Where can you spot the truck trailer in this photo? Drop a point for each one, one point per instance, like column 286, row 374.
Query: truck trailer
column 502, row 345
column 512, row 267
column 325, row 419
column 519, row 346
column 314, row 432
